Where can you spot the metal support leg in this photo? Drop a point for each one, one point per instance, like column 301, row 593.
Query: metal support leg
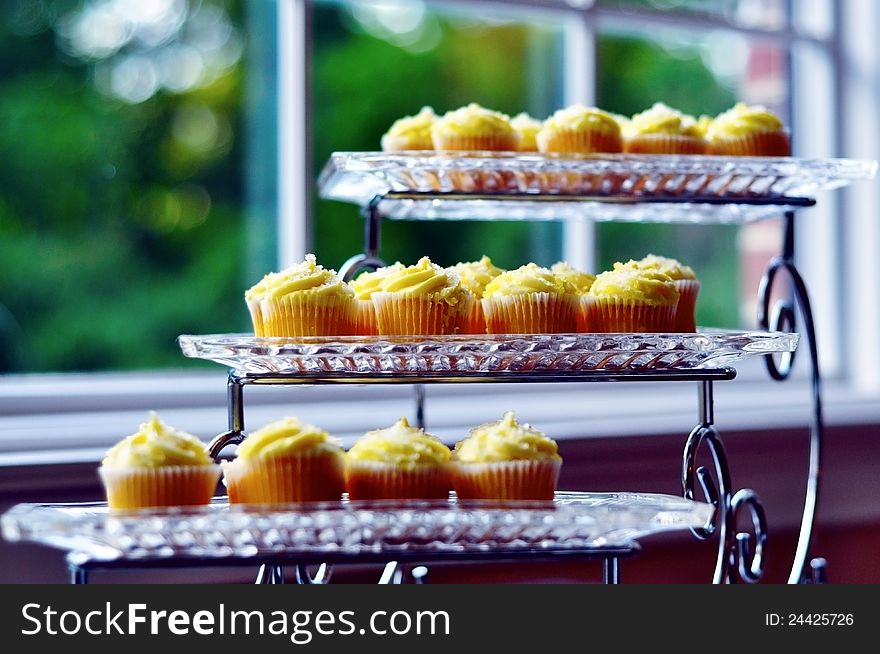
column 372, row 239
column 611, row 570
column 783, row 318
column 78, row 575
column 270, row 574
column 419, row 390
column 235, row 409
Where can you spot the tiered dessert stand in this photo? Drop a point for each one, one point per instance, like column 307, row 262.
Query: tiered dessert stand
column 604, row 526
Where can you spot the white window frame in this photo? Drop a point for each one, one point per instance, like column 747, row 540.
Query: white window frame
column 54, row 418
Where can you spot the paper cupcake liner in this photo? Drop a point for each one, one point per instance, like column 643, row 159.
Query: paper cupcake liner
column 404, row 143
column 606, row 315
column 471, row 319
column 495, row 143
column 506, row 480
column 401, row 315
column 371, row 480
column 306, row 314
column 280, row 480
column 685, row 311
column 584, row 141
column 530, row 313
column 585, row 318
column 767, row 144
column 664, row 144
column 364, row 318
column 135, row 488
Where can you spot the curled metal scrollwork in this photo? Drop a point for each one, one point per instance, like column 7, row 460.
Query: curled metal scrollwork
column 748, row 561
column 358, row 263
column 782, row 318
column 320, row 577
column 224, row 440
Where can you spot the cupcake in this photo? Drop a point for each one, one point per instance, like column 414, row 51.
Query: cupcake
column 629, row 299
column 286, row 461
column 421, row 300
column 410, row 132
column 529, row 300
column 505, row 460
column 474, row 276
column 663, row 130
column 474, row 128
column 581, row 281
column 363, row 288
column 580, row 129
column 158, row 466
column 303, row 300
column 687, row 284
column 399, row 462
column 527, row 128
column 748, row 131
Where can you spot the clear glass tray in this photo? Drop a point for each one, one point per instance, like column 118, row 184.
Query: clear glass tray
column 474, row 355
column 533, row 186
column 573, row 521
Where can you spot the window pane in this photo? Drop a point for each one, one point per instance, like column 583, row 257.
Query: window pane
column 377, row 61
column 121, row 189
column 698, row 74
column 761, row 14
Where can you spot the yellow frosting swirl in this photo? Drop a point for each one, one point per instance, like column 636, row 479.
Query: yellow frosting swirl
column 529, row 278
column 156, row 445
column 424, row 279
column 505, row 440
column 307, row 276
column 582, row 281
column 661, row 119
column 475, row 275
column 286, row 437
column 703, row 124
column 637, row 285
column 400, row 445
column 671, row 267
column 527, row 128
column 743, row 120
column 369, row 282
column 411, row 132
column 472, row 121
column 578, row 117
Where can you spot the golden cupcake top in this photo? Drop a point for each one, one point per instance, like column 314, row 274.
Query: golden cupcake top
column 578, row 117
column 411, row 132
column 582, row 281
column 473, row 120
column 529, row 278
column 505, row 440
column 156, row 445
column 662, row 119
column 704, row 122
column 475, row 275
column 400, row 445
column 743, row 120
column 424, row 279
column 674, row 268
column 527, row 128
column 287, row 437
column 369, row 282
column 307, row 276
column 628, row 282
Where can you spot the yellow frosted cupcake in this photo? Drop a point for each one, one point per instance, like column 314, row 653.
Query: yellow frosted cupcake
column 629, row 299
column 527, row 128
column 663, row 130
column 410, row 132
column 580, row 129
column 474, row 128
column 421, row 300
column 303, row 300
column 363, row 288
column 286, row 461
column 687, row 284
column 748, row 131
column 474, row 276
column 158, row 466
column 399, row 462
column 529, row 300
column 505, row 460
column 581, row 281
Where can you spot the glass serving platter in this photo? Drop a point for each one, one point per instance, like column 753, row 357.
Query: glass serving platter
column 534, row 186
column 574, row 520
column 463, row 356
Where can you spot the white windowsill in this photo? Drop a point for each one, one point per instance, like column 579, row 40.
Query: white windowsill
column 74, row 418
